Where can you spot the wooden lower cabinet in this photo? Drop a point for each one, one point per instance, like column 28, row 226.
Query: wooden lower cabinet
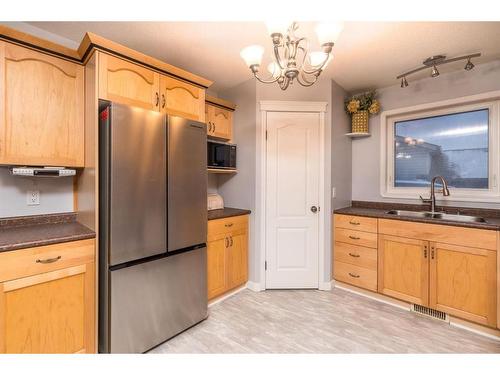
column 227, row 254
column 50, row 309
column 403, row 268
column 216, row 263
column 463, row 282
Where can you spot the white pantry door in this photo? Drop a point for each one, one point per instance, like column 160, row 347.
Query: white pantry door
column 292, row 197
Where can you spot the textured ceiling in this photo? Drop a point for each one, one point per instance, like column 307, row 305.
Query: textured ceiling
column 367, row 54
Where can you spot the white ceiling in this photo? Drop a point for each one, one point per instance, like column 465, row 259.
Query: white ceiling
column 367, row 54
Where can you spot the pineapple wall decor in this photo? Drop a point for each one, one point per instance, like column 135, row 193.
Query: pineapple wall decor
column 360, row 107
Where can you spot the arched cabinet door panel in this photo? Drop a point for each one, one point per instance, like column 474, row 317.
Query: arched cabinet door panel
column 182, row 99
column 124, row 82
column 42, row 102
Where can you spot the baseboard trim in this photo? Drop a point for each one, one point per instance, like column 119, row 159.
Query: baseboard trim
column 325, row 285
column 256, row 287
column 456, row 322
column 231, row 293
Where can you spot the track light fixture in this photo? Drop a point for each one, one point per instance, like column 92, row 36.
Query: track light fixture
column 469, row 65
column 432, row 63
column 434, row 72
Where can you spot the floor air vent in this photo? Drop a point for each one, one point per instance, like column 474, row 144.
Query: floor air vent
column 435, row 314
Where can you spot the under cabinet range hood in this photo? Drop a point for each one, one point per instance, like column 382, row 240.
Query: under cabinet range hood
column 42, row 171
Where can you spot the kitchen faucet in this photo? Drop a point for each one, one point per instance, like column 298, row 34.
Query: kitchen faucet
column 432, row 199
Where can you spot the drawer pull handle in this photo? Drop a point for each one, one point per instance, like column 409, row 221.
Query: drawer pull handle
column 354, row 255
column 354, row 238
column 228, row 225
column 354, row 223
column 50, row 260
column 354, row 275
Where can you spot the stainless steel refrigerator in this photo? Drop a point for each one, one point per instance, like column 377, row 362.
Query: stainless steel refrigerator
column 153, row 227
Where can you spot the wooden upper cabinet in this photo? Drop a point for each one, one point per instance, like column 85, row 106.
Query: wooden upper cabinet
column 182, row 99
column 42, row 102
column 219, row 122
column 403, row 268
column 463, row 282
column 124, row 82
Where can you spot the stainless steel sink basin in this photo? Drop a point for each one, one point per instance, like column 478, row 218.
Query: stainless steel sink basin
column 438, row 216
column 410, row 213
column 461, row 218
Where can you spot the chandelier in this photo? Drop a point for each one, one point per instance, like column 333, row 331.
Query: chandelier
column 292, row 59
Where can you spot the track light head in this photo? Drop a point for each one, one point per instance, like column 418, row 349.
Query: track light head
column 404, row 82
column 469, row 65
column 434, row 72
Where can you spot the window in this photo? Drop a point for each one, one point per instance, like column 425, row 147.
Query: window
column 459, row 142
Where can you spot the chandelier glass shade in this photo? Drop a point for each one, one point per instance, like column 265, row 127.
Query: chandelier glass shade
column 292, row 59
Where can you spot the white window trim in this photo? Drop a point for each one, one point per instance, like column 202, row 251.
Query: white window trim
column 490, row 100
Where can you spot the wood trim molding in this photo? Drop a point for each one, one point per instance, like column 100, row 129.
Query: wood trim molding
column 91, row 42
column 31, row 41
column 226, row 104
column 292, row 106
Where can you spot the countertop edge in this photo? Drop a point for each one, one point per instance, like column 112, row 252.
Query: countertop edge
column 51, row 241
column 358, row 211
column 226, row 212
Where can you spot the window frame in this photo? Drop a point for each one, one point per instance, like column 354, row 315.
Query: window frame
column 490, row 101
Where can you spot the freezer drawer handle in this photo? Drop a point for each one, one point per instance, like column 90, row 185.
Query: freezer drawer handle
column 50, row 260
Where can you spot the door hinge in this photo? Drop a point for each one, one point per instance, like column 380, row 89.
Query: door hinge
column 266, row 135
column 265, row 265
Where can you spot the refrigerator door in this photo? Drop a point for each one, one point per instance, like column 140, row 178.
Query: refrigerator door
column 137, row 184
column 187, row 183
column 155, row 300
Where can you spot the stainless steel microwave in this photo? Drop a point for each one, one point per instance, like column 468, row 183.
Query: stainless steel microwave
column 221, row 155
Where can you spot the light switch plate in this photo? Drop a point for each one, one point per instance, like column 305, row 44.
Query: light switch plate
column 33, row 197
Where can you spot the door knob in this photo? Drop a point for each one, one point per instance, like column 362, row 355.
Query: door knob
column 314, row 209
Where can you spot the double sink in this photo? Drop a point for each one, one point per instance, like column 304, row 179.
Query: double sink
column 438, row 216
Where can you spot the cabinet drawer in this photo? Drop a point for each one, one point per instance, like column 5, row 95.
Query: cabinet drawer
column 226, row 225
column 365, row 224
column 27, row 262
column 358, row 276
column 354, row 254
column 356, row 237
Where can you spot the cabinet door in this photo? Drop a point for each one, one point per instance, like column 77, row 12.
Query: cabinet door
column 50, row 312
column 403, row 268
column 220, row 122
column 216, row 266
column 462, row 282
column 124, row 82
column 182, row 99
column 237, row 258
column 42, row 101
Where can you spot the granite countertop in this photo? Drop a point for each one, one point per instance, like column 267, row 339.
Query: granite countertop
column 30, row 231
column 379, row 210
column 226, row 212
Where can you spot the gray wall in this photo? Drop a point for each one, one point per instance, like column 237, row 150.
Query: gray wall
column 56, row 194
column 366, row 151
column 341, row 149
column 238, row 190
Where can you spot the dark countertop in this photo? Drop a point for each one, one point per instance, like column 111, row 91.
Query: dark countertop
column 379, row 210
column 31, row 231
column 226, row 212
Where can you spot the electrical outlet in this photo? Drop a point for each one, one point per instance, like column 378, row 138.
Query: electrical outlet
column 33, row 197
